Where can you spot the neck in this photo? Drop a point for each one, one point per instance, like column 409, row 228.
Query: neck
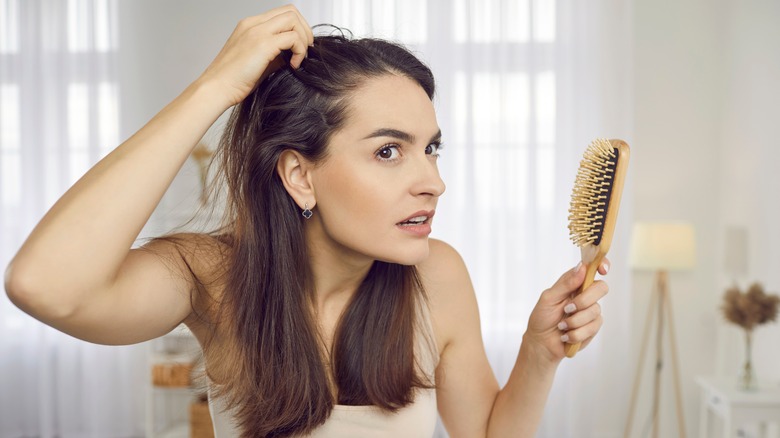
column 337, row 271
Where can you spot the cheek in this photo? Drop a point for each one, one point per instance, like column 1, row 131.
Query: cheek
column 356, row 198
column 358, row 209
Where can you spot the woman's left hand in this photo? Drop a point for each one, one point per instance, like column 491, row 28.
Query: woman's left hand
column 559, row 319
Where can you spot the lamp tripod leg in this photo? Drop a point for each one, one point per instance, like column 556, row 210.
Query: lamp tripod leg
column 659, row 354
column 675, row 363
column 640, row 364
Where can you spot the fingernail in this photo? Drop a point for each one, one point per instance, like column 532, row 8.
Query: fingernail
column 562, row 325
column 565, row 338
column 606, row 267
column 570, row 308
column 577, row 268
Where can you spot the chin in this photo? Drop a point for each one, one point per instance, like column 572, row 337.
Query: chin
column 409, row 255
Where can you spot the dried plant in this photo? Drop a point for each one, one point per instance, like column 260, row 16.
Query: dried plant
column 750, row 308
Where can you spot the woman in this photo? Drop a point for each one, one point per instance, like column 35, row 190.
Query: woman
column 322, row 307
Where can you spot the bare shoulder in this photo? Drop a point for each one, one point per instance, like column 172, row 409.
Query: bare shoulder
column 450, row 291
column 443, row 267
column 198, row 254
column 199, row 259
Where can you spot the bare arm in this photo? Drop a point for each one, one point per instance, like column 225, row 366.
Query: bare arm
column 76, row 271
column 519, row 406
column 470, row 401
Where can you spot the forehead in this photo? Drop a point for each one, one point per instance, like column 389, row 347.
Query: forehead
column 389, row 101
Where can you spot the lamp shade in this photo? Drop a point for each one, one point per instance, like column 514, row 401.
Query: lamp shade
column 669, row 246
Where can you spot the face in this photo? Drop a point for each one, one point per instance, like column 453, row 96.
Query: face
column 377, row 190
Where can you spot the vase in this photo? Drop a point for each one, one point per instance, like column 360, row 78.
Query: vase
column 747, row 377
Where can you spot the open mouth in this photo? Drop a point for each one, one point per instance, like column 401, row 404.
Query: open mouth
column 417, row 220
column 421, row 217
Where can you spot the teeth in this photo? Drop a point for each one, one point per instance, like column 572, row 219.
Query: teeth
column 415, row 220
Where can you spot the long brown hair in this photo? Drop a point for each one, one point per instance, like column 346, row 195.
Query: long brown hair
column 278, row 363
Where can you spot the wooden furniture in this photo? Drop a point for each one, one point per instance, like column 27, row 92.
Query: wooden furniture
column 201, row 425
column 169, row 392
column 736, row 408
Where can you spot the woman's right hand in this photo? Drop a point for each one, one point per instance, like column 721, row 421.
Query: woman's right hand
column 76, row 271
column 252, row 52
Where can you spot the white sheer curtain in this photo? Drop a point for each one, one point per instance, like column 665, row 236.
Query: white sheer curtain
column 523, row 87
column 58, row 116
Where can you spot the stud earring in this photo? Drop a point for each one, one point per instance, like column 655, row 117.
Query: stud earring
column 306, row 212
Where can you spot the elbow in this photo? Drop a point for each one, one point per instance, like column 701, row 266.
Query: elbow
column 13, row 284
column 21, row 289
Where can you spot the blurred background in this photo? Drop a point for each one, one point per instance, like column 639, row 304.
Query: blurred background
column 523, row 87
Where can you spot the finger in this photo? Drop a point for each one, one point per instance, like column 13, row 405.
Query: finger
column 583, row 334
column 569, row 282
column 604, row 266
column 585, row 343
column 288, row 21
column 276, row 21
column 308, row 34
column 306, row 27
column 254, row 20
column 592, row 294
column 292, row 41
column 582, row 318
column 299, row 53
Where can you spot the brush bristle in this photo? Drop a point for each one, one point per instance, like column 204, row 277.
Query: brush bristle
column 591, row 194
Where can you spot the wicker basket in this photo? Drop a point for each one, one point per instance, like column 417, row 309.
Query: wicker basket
column 200, row 420
column 171, row 374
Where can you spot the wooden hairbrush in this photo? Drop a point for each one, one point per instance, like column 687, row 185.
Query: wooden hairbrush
column 595, row 201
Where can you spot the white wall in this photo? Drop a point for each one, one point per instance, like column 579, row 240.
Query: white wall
column 706, row 96
column 750, row 153
column 158, row 58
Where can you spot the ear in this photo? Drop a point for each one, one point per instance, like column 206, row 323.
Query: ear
column 293, row 169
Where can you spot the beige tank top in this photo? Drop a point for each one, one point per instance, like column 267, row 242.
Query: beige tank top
column 415, row 420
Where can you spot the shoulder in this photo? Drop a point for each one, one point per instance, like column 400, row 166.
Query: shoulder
column 443, row 268
column 200, row 256
column 202, row 260
column 449, row 289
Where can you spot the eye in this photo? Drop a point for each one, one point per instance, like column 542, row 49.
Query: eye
column 388, row 153
column 433, row 149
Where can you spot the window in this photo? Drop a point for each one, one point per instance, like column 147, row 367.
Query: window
column 10, row 164
column 405, row 20
column 58, row 107
column 9, row 26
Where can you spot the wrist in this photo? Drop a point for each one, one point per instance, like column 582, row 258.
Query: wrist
column 535, row 355
column 209, row 91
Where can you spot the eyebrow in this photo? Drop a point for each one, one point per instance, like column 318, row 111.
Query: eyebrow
column 400, row 135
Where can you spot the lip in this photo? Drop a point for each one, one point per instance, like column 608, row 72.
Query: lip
column 421, row 230
column 428, row 213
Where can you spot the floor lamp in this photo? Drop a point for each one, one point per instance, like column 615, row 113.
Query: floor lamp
column 660, row 247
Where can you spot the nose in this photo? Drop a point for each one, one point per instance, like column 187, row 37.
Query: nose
column 427, row 180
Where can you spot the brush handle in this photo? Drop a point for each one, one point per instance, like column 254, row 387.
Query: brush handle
column 590, row 274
